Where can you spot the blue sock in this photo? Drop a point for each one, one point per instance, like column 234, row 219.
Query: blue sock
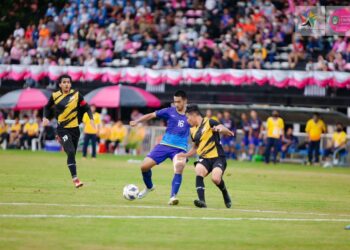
column 147, row 179
column 175, row 186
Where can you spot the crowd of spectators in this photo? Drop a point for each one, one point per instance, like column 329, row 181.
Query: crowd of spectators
column 256, row 140
column 18, row 131
column 259, row 139
column 174, row 34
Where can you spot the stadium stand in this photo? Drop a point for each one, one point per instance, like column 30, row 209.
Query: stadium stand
column 173, row 34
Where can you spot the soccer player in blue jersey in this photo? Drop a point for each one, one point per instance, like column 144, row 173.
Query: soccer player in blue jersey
column 175, row 140
column 245, row 125
column 255, row 134
column 228, row 142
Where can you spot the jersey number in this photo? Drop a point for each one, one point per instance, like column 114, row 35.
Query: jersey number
column 181, row 123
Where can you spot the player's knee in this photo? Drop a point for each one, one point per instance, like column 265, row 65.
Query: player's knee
column 179, row 167
column 200, row 172
column 178, row 170
column 144, row 168
column 216, row 179
column 70, row 153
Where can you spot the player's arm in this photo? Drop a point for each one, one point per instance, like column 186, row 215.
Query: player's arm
column 250, row 132
column 190, row 153
column 143, row 118
column 324, row 128
column 282, row 128
column 86, row 109
column 47, row 109
column 217, row 127
column 223, row 130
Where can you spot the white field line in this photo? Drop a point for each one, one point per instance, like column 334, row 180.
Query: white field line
column 156, row 217
column 165, row 207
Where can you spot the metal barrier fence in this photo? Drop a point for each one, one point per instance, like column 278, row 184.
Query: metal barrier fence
column 154, row 134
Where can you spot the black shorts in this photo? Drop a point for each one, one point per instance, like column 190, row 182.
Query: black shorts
column 69, row 138
column 211, row 163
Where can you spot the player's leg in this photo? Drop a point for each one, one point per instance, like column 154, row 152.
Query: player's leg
column 85, row 145
column 216, row 176
column 226, row 149
column 317, row 152
column 251, row 149
column 310, row 151
column 275, row 150
column 155, row 157
column 147, row 164
column 201, row 172
column 68, row 141
column 75, row 133
column 179, row 165
column 225, row 146
column 268, row 150
column 93, row 145
column 233, row 148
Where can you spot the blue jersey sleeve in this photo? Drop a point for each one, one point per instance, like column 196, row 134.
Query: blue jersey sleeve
column 163, row 113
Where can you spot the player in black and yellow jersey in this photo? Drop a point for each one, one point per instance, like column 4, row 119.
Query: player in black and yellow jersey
column 68, row 105
column 205, row 134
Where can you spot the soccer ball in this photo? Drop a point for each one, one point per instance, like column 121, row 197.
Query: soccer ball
column 130, row 192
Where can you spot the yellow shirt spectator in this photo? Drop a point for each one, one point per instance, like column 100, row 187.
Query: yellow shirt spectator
column 315, row 129
column 118, row 132
column 3, row 127
column 274, row 127
column 32, row 129
column 104, row 132
column 137, row 134
column 16, row 127
column 88, row 129
column 339, row 138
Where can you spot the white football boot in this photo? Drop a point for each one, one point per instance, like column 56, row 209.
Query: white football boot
column 144, row 192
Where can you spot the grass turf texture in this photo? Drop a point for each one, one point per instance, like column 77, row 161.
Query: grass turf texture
column 41, row 183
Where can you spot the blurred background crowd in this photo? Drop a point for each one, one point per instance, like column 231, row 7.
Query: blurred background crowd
column 254, row 140
column 162, row 34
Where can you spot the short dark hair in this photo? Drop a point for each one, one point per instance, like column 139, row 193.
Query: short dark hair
column 64, row 76
column 340, row 124
column 181, row 93
column 190, row 109
column 316, row 114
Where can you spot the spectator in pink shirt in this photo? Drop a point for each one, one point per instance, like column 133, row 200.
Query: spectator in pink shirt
column 296, row 54
column 16, row 53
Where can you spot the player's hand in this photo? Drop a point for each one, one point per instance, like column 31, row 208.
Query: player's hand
column 216, row 129
column 231, row 133
column 58, row 139
column 45, row 122
column 133, row 123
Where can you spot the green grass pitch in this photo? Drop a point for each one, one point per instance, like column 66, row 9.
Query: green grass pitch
column 274, row 207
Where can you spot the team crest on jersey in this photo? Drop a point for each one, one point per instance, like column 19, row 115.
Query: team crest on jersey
column 72, row 98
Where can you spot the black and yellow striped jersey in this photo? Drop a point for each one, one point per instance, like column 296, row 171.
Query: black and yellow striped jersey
column 67, row 107
column 206, row 140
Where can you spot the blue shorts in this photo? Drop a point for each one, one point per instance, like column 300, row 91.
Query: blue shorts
column 228, row 141
column 162, row 152
column 255, row 141
column 245, row 141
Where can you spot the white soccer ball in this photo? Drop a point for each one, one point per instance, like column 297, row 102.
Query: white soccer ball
column 130, row 192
